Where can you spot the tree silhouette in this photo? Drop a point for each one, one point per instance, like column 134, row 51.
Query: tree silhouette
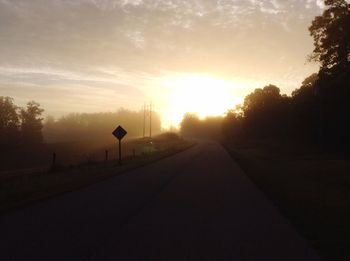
column 261, row 99
column 31, row 123
column 192, row 126
column 305, row 109
column 9, row 123
column 318, row 111
column 264, row 110
column 232, row 124
column 331, row 33
column 97, row 126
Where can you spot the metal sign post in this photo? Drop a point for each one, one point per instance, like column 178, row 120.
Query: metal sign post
column 120, row 152
column 119, row 133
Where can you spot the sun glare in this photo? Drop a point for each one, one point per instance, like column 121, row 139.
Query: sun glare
column 202, row 95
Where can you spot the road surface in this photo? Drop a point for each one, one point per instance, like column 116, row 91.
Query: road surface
column 196, row 205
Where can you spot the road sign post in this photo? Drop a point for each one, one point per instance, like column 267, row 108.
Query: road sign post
column 120, row 152
column 106, row 155
column 119, row 133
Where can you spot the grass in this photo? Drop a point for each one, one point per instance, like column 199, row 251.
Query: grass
column 310, row 188
column 21, row 190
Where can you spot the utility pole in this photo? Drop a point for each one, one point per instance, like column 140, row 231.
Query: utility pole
column 150, row 120
column 144, row 119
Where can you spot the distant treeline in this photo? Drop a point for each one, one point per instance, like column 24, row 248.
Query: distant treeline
column 194, row 127
column 26, row 128
column 98, row 126
column 19, row 127
column 27, row 140
column 316, row 113
column 266, row 113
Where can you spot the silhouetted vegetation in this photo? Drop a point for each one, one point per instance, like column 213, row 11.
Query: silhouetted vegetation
column 9, row 123
column 25, row 141
column 317, row 112
column 19, row 127
column 286, row 144
column 192, row 126
column 97, row 126
column 31, row 123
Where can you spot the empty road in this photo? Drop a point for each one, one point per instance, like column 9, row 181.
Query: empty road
column 195, row 205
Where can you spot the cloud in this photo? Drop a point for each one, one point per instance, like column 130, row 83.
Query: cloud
column 315, row 4
column 61, row 92
column 113, row 32
column 77, row 42
column 320, row 3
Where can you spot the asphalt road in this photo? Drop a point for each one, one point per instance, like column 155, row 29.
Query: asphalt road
column 196, row 205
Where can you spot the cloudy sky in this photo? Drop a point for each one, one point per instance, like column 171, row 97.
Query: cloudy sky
column 99, row 55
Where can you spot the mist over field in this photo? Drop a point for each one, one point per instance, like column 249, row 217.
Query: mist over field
column 175, row 130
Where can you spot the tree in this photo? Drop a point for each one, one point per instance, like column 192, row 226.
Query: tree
column 209, row 128
column 189, row 125
column 97, row 126
column 306, row 109
column 331, row 33
column 9, row 122
column 307, row 88
column 31, row 123
column 232, row 124
column 266, row 112
column 261, row 100
column 49, row 128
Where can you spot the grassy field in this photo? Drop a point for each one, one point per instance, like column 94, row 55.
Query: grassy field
column 17, row 190
column 75, row 152
column 308, row 187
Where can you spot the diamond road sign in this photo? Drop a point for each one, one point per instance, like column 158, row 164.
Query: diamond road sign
column 119, row 132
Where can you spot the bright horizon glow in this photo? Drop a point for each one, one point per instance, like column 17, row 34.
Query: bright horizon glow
column 203, row 57
column 200, row 94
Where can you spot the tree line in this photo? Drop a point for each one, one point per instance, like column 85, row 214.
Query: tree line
column 27, row 140
column 25, row 128
column 20, row 126
column 194, row 127
column 98, row 126
column 318, row 111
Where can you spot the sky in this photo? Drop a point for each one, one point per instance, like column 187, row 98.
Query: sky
column 197, row 56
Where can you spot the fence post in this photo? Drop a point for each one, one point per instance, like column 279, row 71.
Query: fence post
column 53, row 164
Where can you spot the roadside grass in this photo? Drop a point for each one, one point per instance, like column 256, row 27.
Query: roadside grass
column 310, row 188
column 22, row 190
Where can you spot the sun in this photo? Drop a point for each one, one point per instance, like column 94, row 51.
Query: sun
column 200, row 94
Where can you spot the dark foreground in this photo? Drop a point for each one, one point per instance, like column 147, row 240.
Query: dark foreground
column 196, row 205
column 309, row 186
